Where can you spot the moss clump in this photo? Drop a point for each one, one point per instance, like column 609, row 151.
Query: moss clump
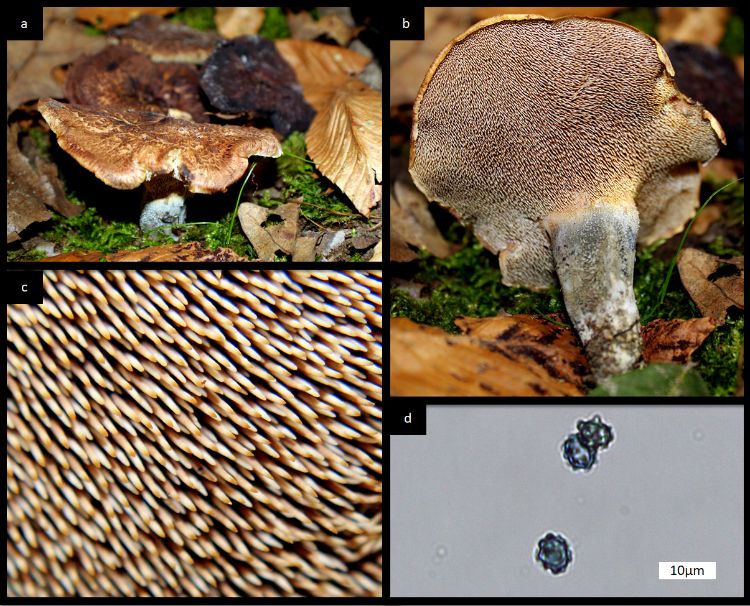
column 275, row 25
column 650, row 272
column 468, row 283
column 733, row 43
column 214, row 235
column 654, row 380
column 198, row 17
column 643, row 18
column 719, row 358
column 88, row 231
column 301, row 180
column 20, row 255
column 92, row 30
column 40, row 137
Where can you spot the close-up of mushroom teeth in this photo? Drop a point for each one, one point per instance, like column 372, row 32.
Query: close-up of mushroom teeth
column 564, row 142
column 127, row 148
column 196, row 434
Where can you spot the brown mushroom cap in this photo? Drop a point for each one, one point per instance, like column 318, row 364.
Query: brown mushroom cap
column 555, row 138
column 126, row 148
column 166, row 41
column 523, row 116
column 120, row 77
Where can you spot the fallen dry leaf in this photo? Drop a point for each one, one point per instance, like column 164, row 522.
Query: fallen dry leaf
column 675, row 340
column 267, row 240
column 304, row 27
column 706, row 218
column 552, row 12
column 722, row 169
column 345, row 142
column 191, row 251
column 412, row 223
column 304, row 248
column 410, row 59
column 233, row 21
column 108, row 17
column 701, row 25
column 714, row 284
column 26, row 192
column 377, row 253
column 502, row 356
column 320, row 68
column 31, row 63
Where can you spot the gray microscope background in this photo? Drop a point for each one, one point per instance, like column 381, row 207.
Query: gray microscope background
column 470, row 500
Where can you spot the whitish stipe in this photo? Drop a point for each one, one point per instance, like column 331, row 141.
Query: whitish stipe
column 594, row 252
column 233, row 448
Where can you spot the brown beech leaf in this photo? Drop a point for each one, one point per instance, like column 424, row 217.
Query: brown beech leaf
column 233, row 21
column 699, row 25
column 190, row 251
column 675, row 340
column 714, row 284
column 108, row 17
column 501, row 356
column 320, row 68
column 345, row 142
column 304, row 27
column 412, row 223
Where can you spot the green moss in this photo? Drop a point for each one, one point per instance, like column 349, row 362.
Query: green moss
column 654, row 380
column 648, row 278
column 468, row 283
column 302, row 180
column 198, row 17
column 719, row 357
column 214, row 235
column 92, row 30
column 88, row 231
column 266, row 200
column 20, row 255
column 40, row 137
column 720, row 249
column 733, row 43
column 643, row 18
column 275, row 25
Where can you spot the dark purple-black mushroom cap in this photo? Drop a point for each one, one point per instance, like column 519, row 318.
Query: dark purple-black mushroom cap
column 708, row 76
column 247, row 74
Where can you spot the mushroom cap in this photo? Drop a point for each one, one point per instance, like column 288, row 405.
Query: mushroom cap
column 248, row 74
column 120, row 77
column 164, row 40
column 125, row 148
column 522, row 116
